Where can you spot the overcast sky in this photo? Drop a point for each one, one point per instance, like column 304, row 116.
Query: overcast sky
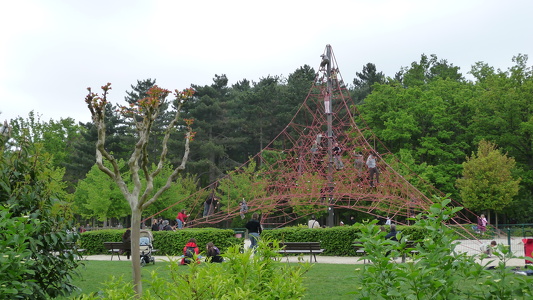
column 52, row 50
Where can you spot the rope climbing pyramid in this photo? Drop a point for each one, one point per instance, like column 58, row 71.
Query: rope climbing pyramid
column 318, row 163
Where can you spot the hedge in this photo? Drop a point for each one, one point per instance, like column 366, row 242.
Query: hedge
column 336, row 240
column 166, row 242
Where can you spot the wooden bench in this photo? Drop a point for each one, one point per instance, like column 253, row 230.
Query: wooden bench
column 73, row 248
column 412, row 249
column 116, row 248
column 311, row 248
column 360, row 250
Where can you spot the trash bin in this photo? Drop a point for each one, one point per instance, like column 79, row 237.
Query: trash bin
column 528, row 249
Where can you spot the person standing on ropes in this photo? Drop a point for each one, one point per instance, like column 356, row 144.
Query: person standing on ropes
column 181, row 218
column 359, row 163
column 372, row 169
column 337, row 151
column 207, row 204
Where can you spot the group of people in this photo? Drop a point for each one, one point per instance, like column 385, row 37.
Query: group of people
column 191, row 250
column 373, row 171
column 191, row 253
column 162, row 225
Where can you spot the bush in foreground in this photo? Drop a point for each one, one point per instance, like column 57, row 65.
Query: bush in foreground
column 244, row 275
column 437, row 271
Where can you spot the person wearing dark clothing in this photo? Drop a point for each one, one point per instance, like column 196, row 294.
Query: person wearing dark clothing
column 213, row 253
column 207, row 204
column 166, row 226
column 155, row 225
column 126, row 240
column 392, row 234
column 254, row 230
column 337, row 151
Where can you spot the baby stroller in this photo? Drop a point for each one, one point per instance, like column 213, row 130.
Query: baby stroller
column 145, row 245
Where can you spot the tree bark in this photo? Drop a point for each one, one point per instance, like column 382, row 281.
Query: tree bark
column 135, row 251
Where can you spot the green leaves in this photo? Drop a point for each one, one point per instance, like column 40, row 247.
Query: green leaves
column 244, row 275
column 33, row 240
column 437, row 271
column 487, row 181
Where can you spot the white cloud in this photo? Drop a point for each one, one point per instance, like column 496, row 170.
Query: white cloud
column 53, row 50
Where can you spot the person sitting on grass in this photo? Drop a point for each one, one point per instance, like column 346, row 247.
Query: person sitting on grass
column 189, row 252
column 213, row 254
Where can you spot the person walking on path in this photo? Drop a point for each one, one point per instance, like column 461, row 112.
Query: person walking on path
column 254, row 230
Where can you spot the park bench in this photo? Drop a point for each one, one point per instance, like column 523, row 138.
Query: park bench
column 73, row 248
column 360, row 250
column 116, row 248
column 410, row 245
column 311, row 248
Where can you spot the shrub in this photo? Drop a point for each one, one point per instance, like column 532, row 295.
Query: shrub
column 36, row 262
column 437, row 271
column 244, row 275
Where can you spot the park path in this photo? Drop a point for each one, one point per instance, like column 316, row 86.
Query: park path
column 471, row 247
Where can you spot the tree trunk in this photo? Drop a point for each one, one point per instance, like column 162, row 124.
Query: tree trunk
column 135, row 251
column 496, row 221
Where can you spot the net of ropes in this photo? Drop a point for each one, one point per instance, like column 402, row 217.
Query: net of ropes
column 319, row 162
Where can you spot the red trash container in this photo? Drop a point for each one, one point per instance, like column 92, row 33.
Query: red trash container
column 528, row 249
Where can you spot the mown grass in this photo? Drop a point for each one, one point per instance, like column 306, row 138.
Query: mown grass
column 323, row 281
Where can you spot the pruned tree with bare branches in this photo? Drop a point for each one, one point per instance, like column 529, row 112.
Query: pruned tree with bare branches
column 142, row 114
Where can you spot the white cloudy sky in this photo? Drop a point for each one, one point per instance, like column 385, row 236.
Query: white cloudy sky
column 51, row 51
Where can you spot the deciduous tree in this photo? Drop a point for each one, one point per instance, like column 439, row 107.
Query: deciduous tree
column 142, row 114
column 487, row 183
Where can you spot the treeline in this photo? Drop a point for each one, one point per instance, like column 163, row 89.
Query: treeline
column 427, row 114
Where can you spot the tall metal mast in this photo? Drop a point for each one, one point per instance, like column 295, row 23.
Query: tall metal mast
column 329, row 118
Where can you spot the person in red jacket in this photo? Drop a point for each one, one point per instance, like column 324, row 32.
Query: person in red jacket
column 181, row 218
column 189, row 252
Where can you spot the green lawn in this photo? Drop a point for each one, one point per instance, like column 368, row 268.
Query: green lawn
column 323, row 281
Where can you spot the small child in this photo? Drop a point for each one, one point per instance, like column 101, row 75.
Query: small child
column 213, row 254
column 487, row 249
column 244, row 208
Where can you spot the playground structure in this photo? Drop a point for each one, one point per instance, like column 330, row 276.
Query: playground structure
column 316, row 164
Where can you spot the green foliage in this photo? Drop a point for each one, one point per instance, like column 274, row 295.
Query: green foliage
column 426, row 124
column 241, row 183
column 166, row 242
column 98, row 196
column 244, row 275
column 336, row 240
column 487, row 181
column 14, row 261
column 36, row 260
column 437, row 271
